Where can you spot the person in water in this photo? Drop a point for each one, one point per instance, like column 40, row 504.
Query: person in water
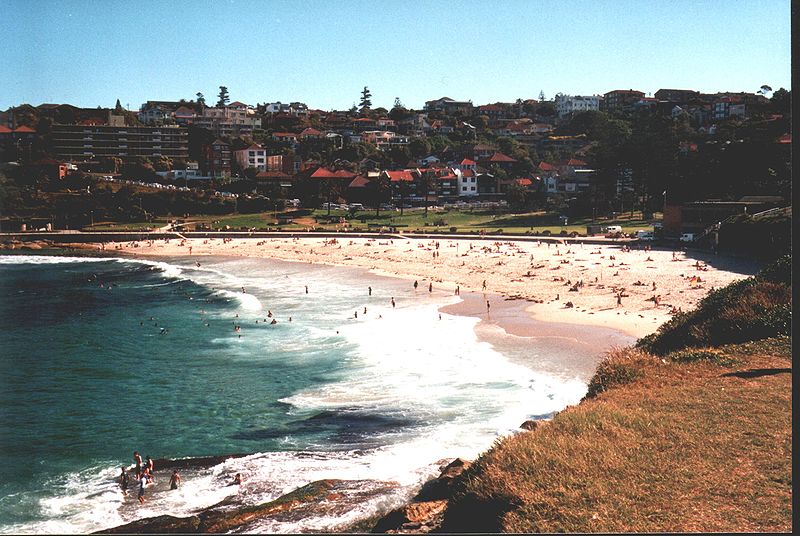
column 124, row 480
column 237, row 480
column 174, row 480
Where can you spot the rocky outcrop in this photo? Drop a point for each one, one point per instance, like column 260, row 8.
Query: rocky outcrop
column 222, row 518
column 426, row 510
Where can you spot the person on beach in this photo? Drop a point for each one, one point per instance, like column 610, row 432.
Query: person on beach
column 487, row 307
column 484, row 284
column 415, row 285
column 458, row 290
column 136, row 458
column 149, row 465
column 392, row 301
column 142, row 484
column 430, row 287
column 306, row 289
column 237, row 480
column 124, row 480
column 174, row 480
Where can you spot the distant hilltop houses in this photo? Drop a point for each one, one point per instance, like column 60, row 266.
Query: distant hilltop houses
column 450, row 150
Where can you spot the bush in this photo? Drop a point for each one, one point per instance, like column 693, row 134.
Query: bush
column 713, row 355
column 748, row 310
column 620, row 367
column 453, row 229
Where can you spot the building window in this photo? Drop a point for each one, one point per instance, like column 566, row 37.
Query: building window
column 472, row 188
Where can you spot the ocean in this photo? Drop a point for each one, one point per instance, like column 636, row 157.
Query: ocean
column 178, row 358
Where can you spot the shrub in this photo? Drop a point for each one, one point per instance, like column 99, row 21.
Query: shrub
column 620, row 367
column 751, row 309
column 694, row 355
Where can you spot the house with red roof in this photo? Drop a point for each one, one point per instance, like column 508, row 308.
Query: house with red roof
column 467, row 164
column 310, row 134
column 285, row 137
column 482, row 151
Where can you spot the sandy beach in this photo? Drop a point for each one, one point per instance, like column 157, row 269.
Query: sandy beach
column 630, row 290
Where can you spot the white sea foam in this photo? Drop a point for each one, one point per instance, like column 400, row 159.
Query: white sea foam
column 458, row 394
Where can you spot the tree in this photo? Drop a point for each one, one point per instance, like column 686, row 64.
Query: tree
column 201, row 100
column 383, row 189
column 397, row 103
column 765, row 89
column 541, row 96
column 419, row 147
column 224, row 98
column 365, row 102
column 118, row 106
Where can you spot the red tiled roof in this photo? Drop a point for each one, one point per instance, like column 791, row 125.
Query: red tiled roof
column 254, row 147
column 344, row 174
column 500, row 157
column 284, row 134
column 544, row 166
column 483, row 147
column 310, row 132
column 358, row 182
column 468, row 173
column 324, row 173
column 183, row 110
column 5, row 130
column 786, row 138
column 575, row 162
column 490, row 108
column 524, row 182
column 363, row 119
column 237, row 103
column 467, row 162
column 23, row 128
column 397, row 176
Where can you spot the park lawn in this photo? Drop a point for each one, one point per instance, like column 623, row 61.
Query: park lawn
column 411, row 220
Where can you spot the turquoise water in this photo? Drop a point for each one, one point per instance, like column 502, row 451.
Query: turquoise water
column 101, row 357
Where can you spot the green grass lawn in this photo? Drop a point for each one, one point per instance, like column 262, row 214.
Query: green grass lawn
column 412, row 220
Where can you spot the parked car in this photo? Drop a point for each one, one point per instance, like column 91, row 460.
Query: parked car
column 613, row 230
column 687, row 237
column 355, row 206
column 643, row 234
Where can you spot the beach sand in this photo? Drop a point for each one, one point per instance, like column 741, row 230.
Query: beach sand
column 541, row 275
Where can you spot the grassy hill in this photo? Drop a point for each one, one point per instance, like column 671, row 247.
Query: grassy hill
column 690, row 431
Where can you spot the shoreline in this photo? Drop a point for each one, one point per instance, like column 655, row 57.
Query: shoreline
column 575, row 284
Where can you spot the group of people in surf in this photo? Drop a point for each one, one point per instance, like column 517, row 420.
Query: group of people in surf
column 143, row 474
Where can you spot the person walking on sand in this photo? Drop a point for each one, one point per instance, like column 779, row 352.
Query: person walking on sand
column 484, row 284
column 415, row 285
column 392, row 302
column 370, row 290
column 124, row 481
column 430, row 287
column 174, row 480
column 487, row 307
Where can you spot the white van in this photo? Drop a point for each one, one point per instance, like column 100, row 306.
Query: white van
column 643, row 234
column 613, row 230
column 355, row 206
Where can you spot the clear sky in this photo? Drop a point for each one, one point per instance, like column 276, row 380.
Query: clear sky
column 90, row 52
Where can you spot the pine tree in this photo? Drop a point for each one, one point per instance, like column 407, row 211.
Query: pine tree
column 397, row 103
column 118, row 107
column 201, row 100
column 365, row 103
column 541, row 96
column 224, row 98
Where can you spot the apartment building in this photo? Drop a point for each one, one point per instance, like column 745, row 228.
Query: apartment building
column 229, row 121
column 87, row 142
column 567, row 105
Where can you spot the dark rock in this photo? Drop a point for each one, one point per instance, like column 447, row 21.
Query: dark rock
column 441, row 487
column 533, row 424
column 157, row 525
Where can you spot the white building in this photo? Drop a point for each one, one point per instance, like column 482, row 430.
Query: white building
column 571, row 104
column 229, row 121
column 254, row 156
column 467, row 182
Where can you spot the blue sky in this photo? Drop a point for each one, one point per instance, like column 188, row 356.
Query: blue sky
column 89, row 53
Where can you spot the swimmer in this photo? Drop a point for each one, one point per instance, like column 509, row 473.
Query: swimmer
column 174, row 480
column 124, row 479
column 273, row 322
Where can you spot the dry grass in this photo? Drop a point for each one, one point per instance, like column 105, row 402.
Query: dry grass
column 686, row 445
